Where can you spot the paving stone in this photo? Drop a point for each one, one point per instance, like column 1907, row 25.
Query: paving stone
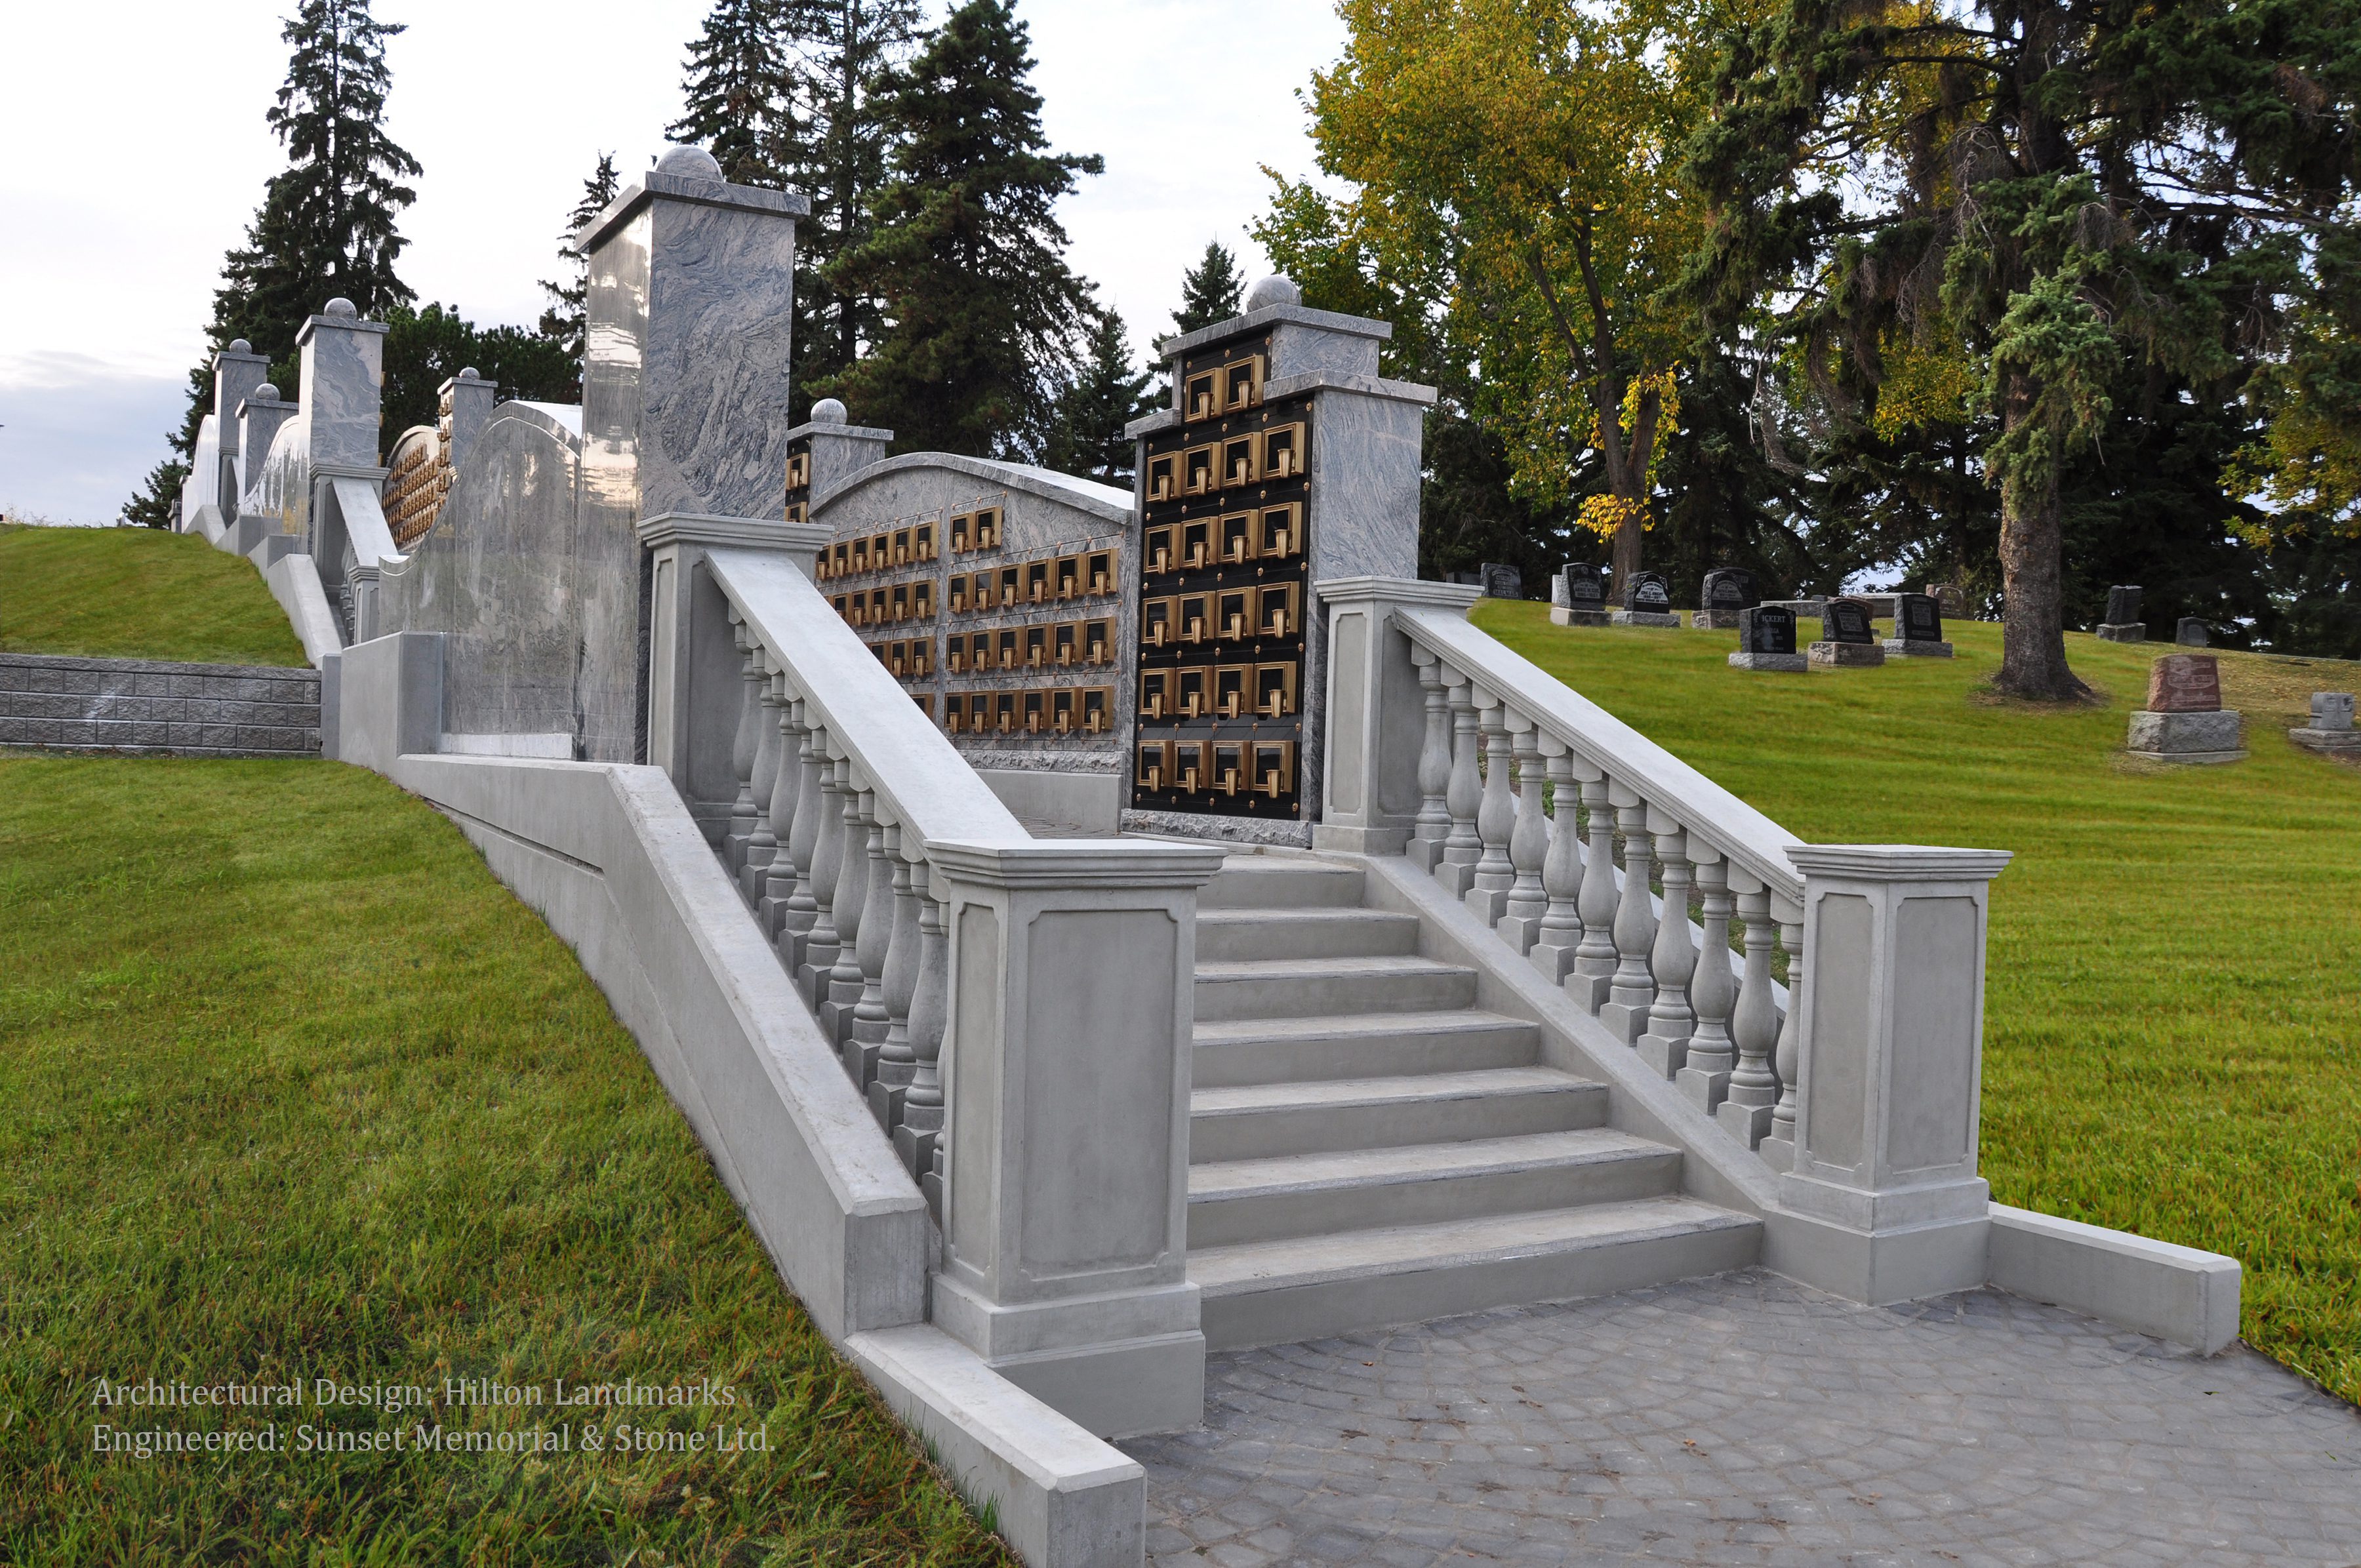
column 1747, row 1419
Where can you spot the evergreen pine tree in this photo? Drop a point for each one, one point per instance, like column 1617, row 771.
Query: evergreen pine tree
column 565, row 321
column 1210, row 290
column 982, row 314
column 327, row 223
column 1086, row 433
column 740, row 93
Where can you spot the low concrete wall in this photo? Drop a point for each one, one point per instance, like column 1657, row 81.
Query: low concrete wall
column 1060, row 805
column 388, row 700
column 295, row 583
column 2175, row 1293
column 151, row 705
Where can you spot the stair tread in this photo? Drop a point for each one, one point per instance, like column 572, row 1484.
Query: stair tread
column 1392, row 1089
column 1406, row 1163
column 1281, row 969
column 1306, row 915
column 1346, row 1026
column 1243, row 1266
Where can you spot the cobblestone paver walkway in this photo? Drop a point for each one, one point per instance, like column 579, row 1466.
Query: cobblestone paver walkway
column 1748, row 1420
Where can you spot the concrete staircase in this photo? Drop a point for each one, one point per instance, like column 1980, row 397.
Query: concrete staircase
column 1369, row 1146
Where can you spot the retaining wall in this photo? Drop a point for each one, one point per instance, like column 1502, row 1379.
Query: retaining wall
column 149, row 706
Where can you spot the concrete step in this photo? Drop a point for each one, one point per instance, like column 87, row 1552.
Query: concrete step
column 1277, row 882
column 1269, row 1119
column 1311, row 988
column 1230, row 935
column 1279, row 1292
column 1236, row 1051
column 1410, row 1184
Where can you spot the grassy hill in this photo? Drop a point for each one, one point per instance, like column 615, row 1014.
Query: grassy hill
column 292, row 1089
column 136, row 593
column 2173, row 1016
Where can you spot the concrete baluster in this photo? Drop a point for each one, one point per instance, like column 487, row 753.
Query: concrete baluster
column 844, row 980
column 1713, row 991
column 1753, row 1088
column 1672, row 959
column 1634, row 988
column 1519, row 923
column 1434, row 826
column 819, row 948
column 802, row 910
column 1496, row 818
column 920, row 1135
column 871, row 1019
column 898, row 1063
column 1778, row 1143
column 778, row 883
column 762, row 844
column 1462, row 795
column 741, row 750
column 1594, row 960
column 1560, row 931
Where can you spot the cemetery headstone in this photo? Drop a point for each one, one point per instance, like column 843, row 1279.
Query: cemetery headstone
column 1727, row 591
column 1647, row 602
column 1579, row 597
column 2123, row 622
column 2191, row 632
column 1919, row 619
column 1953, row 598
column 2331, row 729
column 1502, row 582
column 1766, row 640
column 2184, row 721
column 1847, row 637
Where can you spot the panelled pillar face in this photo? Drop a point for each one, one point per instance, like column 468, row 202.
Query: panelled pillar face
column 342, row 388
column 236, row 373
column 684, row 407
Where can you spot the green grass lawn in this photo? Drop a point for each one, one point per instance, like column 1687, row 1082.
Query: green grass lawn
column 292, row 1089
column 136, row 593
column 2174, row 1007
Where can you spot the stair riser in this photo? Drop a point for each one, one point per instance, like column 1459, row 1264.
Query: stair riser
column 1348, row 935
column 1328, row 1128
column 1285, row 1314
column 1320, row 996
column 1274, row 1216
column 1231, row 1063
column 1291, row 889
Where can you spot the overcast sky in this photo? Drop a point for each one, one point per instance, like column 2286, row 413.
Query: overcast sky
column 137, row 153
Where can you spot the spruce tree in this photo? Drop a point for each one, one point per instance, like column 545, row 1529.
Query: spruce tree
column 567, row 320
column 982, row 314
column 1210, row 290
column 740, row 93
column 1086, row 434
column 327, row 223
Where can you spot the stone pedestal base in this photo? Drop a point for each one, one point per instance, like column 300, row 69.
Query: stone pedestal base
column 1910, row 650
column 2128, row 632
column 1714, row 621
column 1560, row 616
column 1769, row 662
column 2331, row 743
column 2192, row 737
column 1847, row 655
column 1644, row 618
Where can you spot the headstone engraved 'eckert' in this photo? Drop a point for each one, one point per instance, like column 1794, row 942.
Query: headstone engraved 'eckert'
column 1580, row 598
column 2331, row 729
column 2123, row 622
column 1919, row 619
column 2184, row 721
column 1648, row 602
column 1846, row 636
column 1766, row 640
column 1727, row 591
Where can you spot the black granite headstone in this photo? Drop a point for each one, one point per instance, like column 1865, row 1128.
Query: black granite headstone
column 1502, row 582
column 1650, row 594
column 1729, row 589
column 1586, row 587
column 2122, row 604
column 1920, row 618
column 2191, row 632
column 1766, row 629
column 1845, row 620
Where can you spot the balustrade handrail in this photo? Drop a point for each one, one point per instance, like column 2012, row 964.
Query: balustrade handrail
column 924, row 783
column 1748, row 838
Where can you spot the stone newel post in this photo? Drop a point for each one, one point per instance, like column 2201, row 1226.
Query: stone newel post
column 1883, row 1197
column 1065, row 1239
column 1377, row 712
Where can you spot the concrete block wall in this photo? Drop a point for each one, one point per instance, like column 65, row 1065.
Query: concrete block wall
column 147, row 706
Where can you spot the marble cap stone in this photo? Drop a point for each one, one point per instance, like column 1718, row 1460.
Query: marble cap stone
column 1272, row 290
column 689, row 163
column 265, row 393
column 239, row 345
column 340, row 308
column 829, row 411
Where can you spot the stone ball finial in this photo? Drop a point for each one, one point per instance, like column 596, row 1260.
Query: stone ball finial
column 239, row 345
column 827, row 410
column 340, row 308
column 266, row 393
column 467, row 373
column 688, row 163
column 1273, row 290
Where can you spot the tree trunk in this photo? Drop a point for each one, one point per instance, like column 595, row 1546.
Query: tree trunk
column 2032, row 566
column 1626, row 559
